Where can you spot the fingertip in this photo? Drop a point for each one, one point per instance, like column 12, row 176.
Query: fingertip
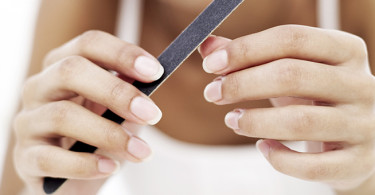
column 211, row 44
column 263, row 147
column 148, row 68
column 268, row 146
column 108, row 166
column 138, row 148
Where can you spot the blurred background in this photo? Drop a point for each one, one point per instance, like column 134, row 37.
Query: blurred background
column 17, row 19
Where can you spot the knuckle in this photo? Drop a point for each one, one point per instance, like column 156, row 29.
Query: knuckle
column 126, row 54
column 112, row 137
column 19, row 124
column 300, row 121
column 240, row 48
column 119, row 92
column 367, row 126
column 288, row 75
column 43, row 161
column 28, row 89
column 368, row 96
column 359, row 47
column 293, row 37
column 319, row 171
column 59, row 112
column 88, row 39
column 82, row 167
column 49, row 58
column 69, row 67
column 231, row 87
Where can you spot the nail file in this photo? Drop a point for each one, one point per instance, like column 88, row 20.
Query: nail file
column 171, row 58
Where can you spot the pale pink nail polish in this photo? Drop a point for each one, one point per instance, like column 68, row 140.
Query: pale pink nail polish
column 145, row 110
column 263, row 147
column 232, row 118
column 148, row 67
column 216, row 61
column 108, row 166
column 213, row 92
column 138, row 148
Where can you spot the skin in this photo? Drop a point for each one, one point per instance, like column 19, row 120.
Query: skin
column 314, row 91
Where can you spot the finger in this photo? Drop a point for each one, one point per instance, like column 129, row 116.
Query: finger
column 111, row 53
column 286, row 77
column 211, row 44
column 51, row 161
column 288, row 41
column 303, row 123
column 328, row 166
column 74, row 75
column 66, row 119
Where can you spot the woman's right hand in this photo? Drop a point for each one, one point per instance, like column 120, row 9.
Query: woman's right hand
column 63, row 104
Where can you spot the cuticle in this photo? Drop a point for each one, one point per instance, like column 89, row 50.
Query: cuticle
column 220, row 78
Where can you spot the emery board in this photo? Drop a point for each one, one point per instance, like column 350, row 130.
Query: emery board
column 171, row 58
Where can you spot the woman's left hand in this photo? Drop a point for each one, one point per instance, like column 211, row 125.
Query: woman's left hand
column 321, row 86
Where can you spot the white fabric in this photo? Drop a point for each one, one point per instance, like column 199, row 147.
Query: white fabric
column 130, row 18
column 182, row 168
column 329, row 14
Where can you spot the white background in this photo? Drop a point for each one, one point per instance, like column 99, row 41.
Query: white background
column 17, row 18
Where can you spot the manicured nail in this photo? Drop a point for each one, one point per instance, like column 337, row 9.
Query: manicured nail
column 108, row 166
column 231, row 119
column 212, row 93
column 148, row 67
column 263, row 147
column 138, row 148
column 216, row 61
column 145, row 110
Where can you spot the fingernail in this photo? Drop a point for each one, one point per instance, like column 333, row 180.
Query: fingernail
column 212, row 93
column 138, row 148
column 216, row 61
column 148, row 67
column 145, row 110
column 231, row 119
column 108, row 166
column 263, row 147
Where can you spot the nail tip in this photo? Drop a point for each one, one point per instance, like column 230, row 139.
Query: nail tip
column 204, row 64
column 138, row 148
column 149, row 67
column 212, row 92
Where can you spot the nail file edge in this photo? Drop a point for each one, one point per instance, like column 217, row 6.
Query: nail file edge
column 50, row 185
column 164, row 58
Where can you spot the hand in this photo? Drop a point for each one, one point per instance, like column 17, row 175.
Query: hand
column 320, row 82
column 63, row 104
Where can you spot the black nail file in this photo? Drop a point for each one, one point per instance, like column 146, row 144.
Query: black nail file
column 171, row 58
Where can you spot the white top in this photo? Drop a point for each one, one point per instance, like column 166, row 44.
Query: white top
column 182, row 168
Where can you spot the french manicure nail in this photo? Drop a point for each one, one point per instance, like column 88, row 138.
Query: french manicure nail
column 213, row 93
column 148, row 67
column 216, row 61
column 145, row 110
column 232, row 118
column 263, row 147
column 108, row 166
column 138, row 148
